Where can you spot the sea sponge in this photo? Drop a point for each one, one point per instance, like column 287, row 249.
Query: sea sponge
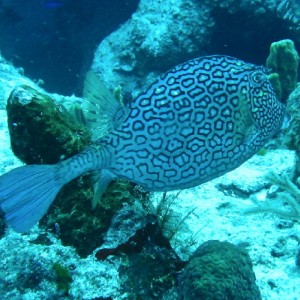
column 219, row 270
column 283, row 60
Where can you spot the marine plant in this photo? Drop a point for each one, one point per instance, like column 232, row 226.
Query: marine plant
column 170, row 221
column 289, row 197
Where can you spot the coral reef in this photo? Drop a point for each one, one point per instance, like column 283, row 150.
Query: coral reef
column 73, row 217
column 41, row 130
column 292, row 137
column 219, row 270
column 34, row 271
column 283, row 60
column 290, row 11
column 11, row 77
column 23, row 271
column 130, row 229
column 150, row 274
column 144, row 46
column 162, row 34
column 151, row 263
column 297, row 259
column 136, row 261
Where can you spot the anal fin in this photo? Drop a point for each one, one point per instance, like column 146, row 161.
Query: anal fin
column 102, row 180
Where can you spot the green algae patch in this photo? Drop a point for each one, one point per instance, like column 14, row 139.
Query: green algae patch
column 74, row 220
column 41, row 130
column 63, row 277
column 262, row 152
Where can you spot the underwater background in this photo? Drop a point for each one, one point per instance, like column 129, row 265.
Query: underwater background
column 235, row 237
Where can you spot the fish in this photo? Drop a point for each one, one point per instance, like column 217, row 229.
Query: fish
column 198, row 121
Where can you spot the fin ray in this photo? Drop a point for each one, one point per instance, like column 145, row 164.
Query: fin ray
column 101, row 111
column 26, row 194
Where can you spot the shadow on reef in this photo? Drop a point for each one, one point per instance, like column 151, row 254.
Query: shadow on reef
column 149, row 264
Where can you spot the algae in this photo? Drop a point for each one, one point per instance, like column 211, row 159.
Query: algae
column 41, row 130
column 63, row 277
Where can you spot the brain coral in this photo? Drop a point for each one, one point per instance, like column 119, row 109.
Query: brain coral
column 219, row 271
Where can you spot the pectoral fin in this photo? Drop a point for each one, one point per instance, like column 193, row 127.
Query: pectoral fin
column 245, row 126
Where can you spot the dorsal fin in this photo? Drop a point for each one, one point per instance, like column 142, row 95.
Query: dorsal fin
column 101, row 111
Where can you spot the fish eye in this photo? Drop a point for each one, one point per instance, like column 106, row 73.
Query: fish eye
column 257, row 76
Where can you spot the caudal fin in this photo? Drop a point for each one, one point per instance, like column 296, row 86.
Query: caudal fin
column 26, row 194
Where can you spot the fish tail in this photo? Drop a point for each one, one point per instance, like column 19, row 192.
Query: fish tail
column 27, row 192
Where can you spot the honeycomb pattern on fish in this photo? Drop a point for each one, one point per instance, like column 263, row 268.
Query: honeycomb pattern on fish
column 198, row 121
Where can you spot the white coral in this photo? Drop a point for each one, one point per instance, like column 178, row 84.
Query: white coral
column 289, row 196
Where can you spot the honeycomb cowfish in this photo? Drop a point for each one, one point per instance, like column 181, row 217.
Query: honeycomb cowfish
column 196, row 122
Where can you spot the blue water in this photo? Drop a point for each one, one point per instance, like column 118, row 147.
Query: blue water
column 50, row 38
